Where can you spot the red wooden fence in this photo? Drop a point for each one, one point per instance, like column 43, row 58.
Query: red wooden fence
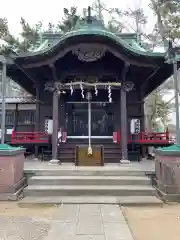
column 145, row 138
column 29, row 137
column 140, row 138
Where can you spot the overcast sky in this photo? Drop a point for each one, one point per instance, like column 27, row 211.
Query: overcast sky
column 51, row 11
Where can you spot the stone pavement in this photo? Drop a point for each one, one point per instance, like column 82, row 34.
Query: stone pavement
column 78, row 222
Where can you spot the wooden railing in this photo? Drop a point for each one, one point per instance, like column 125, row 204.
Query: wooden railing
column 145, row 138
column 140, row 138
column 155, row 137
column 29, row 137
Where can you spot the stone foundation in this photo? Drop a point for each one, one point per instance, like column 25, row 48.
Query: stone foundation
column 11, row 169
column 167, row 166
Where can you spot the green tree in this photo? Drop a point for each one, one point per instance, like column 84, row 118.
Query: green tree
column 4, row 30
column 156, row 108
column 167, row 14
column 98, row 7
column 10, row 43
column 30, row 35
column 139, row 21
column 69, row 20
column 167, row 26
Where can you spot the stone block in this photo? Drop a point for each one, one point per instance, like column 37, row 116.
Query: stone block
column 11, row 168
column 167, row 167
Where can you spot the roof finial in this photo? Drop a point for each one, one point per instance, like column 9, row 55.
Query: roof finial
column 89, row 18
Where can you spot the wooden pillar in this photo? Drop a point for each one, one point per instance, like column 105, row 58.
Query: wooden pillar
column 142, row 123
column 124, row 137
column 16, row 118
column 55, row 127
column 37, row 118
column 62, row 114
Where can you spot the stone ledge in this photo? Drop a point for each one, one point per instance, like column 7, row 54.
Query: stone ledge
column 12, row 196
column 123, row 201
column 12, row 189
column 168, row 197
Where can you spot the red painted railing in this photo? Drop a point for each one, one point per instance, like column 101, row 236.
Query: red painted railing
column 140, row 138
column 29, row 137
column 155, row 137
column 145, row 138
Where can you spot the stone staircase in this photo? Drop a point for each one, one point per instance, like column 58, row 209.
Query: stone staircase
column 89, row 185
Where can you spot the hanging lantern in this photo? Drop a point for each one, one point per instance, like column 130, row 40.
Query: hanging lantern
column 49, row 126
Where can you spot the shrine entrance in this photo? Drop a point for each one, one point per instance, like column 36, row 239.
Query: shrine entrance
column 102, row 119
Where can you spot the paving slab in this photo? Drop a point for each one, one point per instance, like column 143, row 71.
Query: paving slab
column 111, row 213
column 90, row 229
column 117, row 231
column 67, row 213
column 62, row 231
column 71, row 221
column 90, row 220
column 89, row 209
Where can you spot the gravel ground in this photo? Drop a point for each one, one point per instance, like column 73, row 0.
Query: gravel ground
column 154, row 223
column 12, row 209
column 22, row 228
column 23, row 223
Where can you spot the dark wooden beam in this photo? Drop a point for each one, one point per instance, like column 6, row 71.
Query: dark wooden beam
column 145, row 84
column 94, row 73
column 129, row 58
column 26, row 72
column 54, row 73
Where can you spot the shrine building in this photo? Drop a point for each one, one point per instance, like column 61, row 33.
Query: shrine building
column 89, row 84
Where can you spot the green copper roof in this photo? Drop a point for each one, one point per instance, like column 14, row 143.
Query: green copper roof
column 6, row 147
column 170, row 150
column 97, row 29
column 50, row 39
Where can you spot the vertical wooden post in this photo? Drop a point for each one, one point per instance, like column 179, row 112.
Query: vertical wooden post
column 37, row 118
column 124, row 137
column 142, row 123
column 16, row 113
column 55, row 127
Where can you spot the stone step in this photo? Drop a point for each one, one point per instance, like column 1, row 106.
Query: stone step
column 85, row 190
column 124, row 201
column 89, row 180
column 85, row 171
